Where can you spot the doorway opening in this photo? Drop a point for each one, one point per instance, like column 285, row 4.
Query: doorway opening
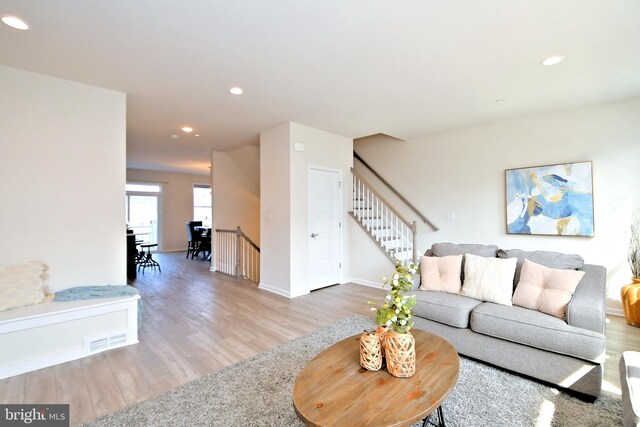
column 202, row 204
column 142, row 207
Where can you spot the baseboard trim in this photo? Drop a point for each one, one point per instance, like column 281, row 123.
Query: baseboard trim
column 274, row 290
column 281, row 292
column 298, row 295
column 614, row 311
column 364, row 282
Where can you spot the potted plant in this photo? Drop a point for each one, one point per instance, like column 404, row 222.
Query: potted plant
column 631, row 292
column 395, row 314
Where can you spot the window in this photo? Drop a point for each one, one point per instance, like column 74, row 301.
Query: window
column 202, row 204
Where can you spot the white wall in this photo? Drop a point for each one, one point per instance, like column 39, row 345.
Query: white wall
column 247, row 158
column 62, row 177
column 275, row 210
column 463, row 172
column 284, row 192
column 368, row 264
column 176, row 204
column 236, row 199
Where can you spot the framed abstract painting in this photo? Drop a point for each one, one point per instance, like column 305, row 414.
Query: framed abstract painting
column 553, row 200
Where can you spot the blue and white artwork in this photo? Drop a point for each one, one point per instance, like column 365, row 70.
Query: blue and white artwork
column 552, row 200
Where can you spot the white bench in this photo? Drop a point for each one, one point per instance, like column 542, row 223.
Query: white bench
column 42, row 335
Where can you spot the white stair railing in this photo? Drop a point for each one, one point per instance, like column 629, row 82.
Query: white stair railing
column 236, row 255
column 387, row 227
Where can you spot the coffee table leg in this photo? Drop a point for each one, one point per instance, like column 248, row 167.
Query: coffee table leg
column 441, row 416
column 426, row 422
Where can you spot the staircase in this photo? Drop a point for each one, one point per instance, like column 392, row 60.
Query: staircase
column 237, row 255
column 390, row 231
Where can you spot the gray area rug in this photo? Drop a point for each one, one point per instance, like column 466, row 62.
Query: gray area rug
column 257, row 392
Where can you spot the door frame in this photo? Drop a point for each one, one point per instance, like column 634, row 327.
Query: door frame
column 341, row 221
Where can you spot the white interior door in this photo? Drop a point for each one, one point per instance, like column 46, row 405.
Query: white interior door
column 325, row 208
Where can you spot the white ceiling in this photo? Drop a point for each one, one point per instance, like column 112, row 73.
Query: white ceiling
column 352, row 67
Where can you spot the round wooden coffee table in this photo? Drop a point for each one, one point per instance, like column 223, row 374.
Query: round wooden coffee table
column 333, row 390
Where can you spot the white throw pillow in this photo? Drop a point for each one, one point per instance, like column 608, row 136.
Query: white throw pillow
column 21, row 284
column 488, row 279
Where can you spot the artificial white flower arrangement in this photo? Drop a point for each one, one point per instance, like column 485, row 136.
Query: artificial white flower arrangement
column 397, row 310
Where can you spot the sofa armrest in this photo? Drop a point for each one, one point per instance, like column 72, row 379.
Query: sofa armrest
column 587, row 309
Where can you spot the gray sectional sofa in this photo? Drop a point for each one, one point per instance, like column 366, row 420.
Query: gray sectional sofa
column 567, row 353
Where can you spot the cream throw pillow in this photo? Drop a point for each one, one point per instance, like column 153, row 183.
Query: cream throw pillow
column 21, row 284
column 545, row 289
column 441, row 274
column 488, row 279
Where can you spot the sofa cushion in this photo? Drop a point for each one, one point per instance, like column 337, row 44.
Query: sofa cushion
column 547, row 290
column 546, row 258
column 450, row 309
column 445, row 249
column 441, row 274
column 538, row 330
column 488, row 279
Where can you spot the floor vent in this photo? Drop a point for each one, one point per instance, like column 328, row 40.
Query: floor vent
column 97, row 345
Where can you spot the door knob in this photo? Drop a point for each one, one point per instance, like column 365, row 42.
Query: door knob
column 314, row 235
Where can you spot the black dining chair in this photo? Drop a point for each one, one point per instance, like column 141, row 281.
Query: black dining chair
column 195, row 238
column 206, row 241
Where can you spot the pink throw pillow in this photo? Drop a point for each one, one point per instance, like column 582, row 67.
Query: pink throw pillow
column 441, row 274
column 548, row 290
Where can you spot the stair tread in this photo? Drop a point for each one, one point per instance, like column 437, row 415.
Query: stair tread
column 384, row 242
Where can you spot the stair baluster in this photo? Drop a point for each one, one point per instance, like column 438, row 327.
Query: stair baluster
column 237, row 255
column 391, row 231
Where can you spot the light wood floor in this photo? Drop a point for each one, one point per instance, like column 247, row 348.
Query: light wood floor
column 195, row 322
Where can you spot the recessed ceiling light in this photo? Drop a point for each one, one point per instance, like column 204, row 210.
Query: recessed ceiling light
column 553, row 60
column 187, row 129
column 15, row 22
column 197, row 134
column 236, row 90
column 498, row 101
column 174, row 136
